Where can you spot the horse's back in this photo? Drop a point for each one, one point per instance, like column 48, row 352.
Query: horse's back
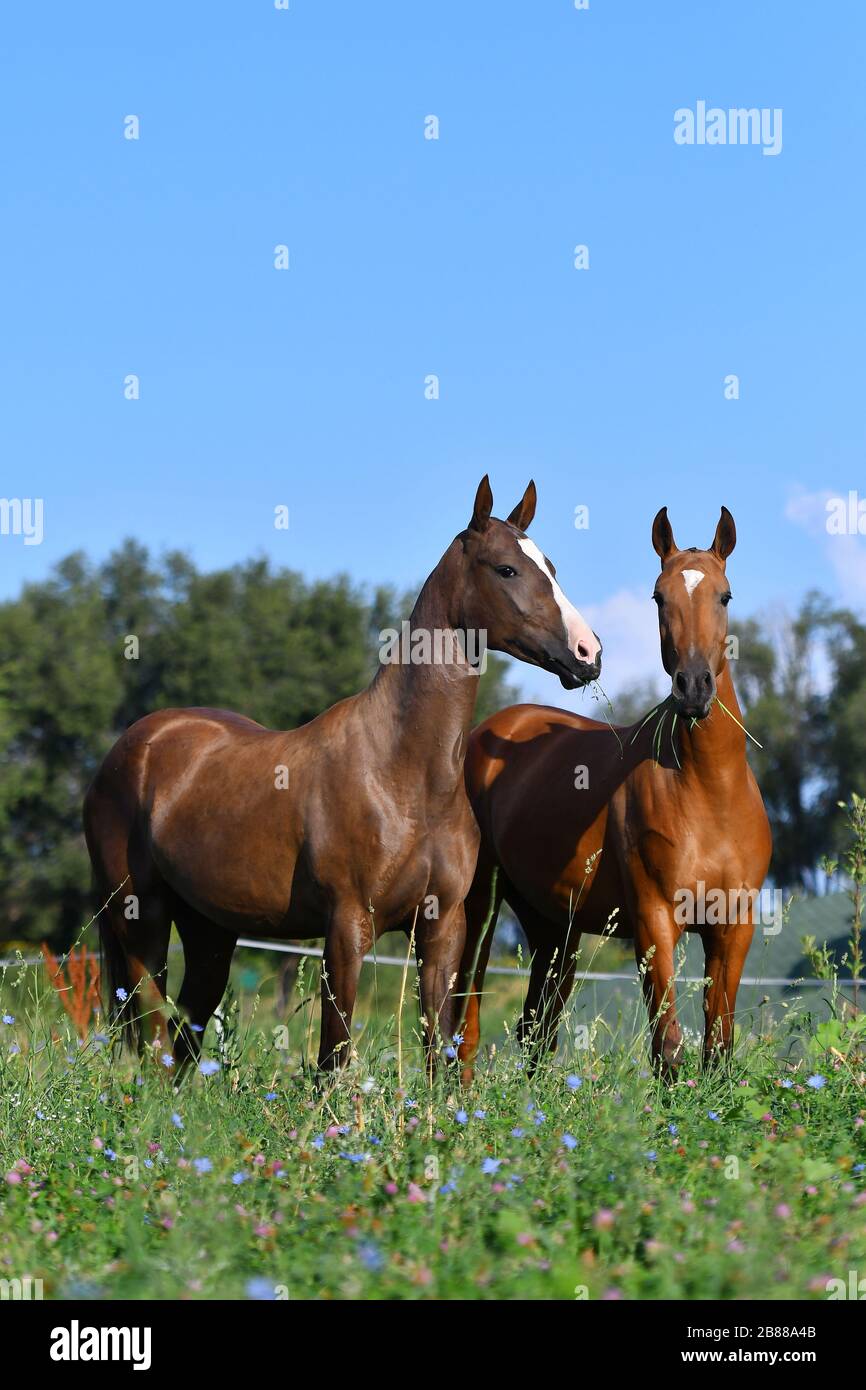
column 530, row 739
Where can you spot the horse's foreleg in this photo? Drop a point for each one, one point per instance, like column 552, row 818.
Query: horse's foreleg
column 348, row 939
column 725, row 951
column 440, row 945
column 655, row 939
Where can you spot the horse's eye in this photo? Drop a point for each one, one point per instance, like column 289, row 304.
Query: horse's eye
column 506, row 571
column 726, row 598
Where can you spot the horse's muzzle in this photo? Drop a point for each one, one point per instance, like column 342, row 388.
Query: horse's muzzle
column 574, row 673
column 693, row 689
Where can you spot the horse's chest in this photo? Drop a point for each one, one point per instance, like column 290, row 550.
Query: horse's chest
column 691, row 841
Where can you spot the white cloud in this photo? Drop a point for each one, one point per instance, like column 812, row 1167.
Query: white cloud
column 846, row 555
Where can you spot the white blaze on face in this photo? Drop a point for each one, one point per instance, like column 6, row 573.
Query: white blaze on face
column 691, row 579
column 582, row 641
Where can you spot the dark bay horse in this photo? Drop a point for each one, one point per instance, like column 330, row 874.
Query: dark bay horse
column 343, row 828
column 630, row 830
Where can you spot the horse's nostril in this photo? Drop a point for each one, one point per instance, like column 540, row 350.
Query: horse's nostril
column 680, row 682
column 583, row 651
column 707, row 680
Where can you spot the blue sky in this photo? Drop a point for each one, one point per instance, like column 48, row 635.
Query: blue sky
column 455, row 257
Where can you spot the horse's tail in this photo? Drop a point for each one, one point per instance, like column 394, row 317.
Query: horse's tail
column 108, row 855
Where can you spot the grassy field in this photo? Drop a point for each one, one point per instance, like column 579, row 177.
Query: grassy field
column 589, row 1180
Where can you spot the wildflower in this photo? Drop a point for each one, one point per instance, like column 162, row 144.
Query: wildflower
column 480, row 1114
column 569, row 1141
column 490, row 1165
column 652, row 1155
column 8, row 1018
column 517, row 1132
column 414, row 1193
column 673, row 1129
column 449, row 1186
column 167, row 1059
column 177, row 1121
column 574, row 1082
column 451, row 1053
column 713, row 1115
column 355, row 1158
column 202, row 1165
column 121, row 994
column 270, row 1095
column 238, row 1178
column 370, row 1256
column 604, row 1219
column 261, row 1290
column 208, row 1067
column 783, row 1211
column 817, row 1081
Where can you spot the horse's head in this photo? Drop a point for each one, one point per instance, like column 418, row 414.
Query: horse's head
column 510, row 591
column 692, row 594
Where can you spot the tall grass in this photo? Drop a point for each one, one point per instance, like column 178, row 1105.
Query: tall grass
column 588, row 1179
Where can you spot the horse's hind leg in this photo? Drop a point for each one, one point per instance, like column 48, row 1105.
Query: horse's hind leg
column 207, row 952
column 482, row 909
column 551, row 979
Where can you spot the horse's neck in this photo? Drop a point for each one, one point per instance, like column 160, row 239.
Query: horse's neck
column 422, row 710
column 715, row 748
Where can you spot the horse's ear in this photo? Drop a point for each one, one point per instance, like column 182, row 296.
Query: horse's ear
column 726, row 536
column 523, row 513
column 663, row 536
column 483, row 506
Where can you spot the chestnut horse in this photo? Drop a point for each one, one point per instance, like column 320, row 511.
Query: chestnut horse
column 592, row 829
column 340, row 829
